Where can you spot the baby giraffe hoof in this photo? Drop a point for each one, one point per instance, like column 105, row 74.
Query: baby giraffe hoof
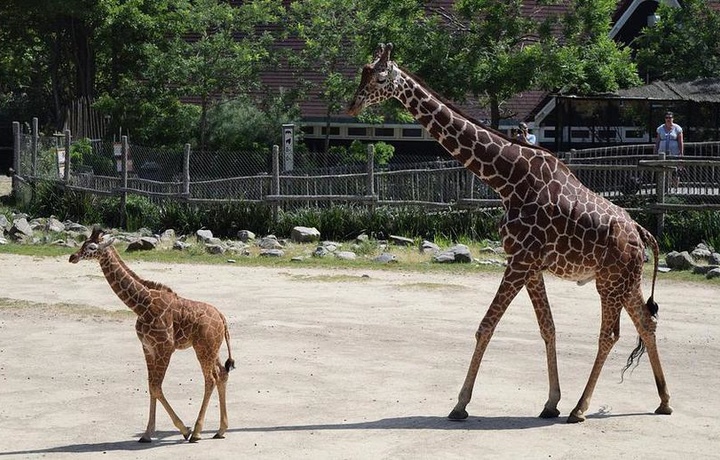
column 575, row 417
column 194, row 439
column 219, row 436
column 458, row 414
column 549, row 413
column 144, row 440
column 664, row 409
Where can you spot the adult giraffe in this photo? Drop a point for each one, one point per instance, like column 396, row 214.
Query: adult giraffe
column 552, row 222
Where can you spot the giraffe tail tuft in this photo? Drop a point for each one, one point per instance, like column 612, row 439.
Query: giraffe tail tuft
column 229, row 364
column 652, row 306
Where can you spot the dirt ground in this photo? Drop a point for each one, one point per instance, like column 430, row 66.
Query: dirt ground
column 335, row 364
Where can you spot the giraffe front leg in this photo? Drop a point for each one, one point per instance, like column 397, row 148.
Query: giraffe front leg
column 150, row 430
column 513, row 280
column 157, row 364
column 538, row 296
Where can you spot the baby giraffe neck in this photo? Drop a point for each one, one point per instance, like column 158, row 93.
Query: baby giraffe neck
column 133, row 293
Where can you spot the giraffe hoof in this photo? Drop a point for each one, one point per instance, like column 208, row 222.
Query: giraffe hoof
column 144, row 440
column 458, row 414
column 575, row 418
column 194, row 439
column 219, row 436
column 664, row 409
column 549, row 413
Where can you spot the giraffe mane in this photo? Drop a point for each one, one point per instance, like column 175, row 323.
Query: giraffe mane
column 463, row 114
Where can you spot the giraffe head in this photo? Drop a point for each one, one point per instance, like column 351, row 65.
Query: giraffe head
column 93, row 247
column 377, row 82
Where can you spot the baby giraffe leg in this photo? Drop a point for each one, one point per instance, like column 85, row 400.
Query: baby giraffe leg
column 157, row 366
column 221, row 386
column 209, row 387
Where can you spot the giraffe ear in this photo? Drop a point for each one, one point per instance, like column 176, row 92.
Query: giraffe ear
column 107, row 241
column 382, row 56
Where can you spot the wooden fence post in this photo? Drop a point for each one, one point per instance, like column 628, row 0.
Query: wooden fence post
column 68, row 144
column 275, row 185
column 660, row 181
column 34, row 146
column 370, row 184
column 124, row 181
column 16, row 159
column 186, row 171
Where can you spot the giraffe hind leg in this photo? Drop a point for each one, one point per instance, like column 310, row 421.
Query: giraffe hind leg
column 643, row 318
column 221, row 389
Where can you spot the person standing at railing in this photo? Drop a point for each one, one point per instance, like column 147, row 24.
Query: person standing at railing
column 524, row 135
column 670, row 140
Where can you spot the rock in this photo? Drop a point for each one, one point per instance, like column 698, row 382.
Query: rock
column 272, row 253
column 3, row 240
column 4, row 223
column 457, row 254
column 304, row 234
column 401, row 240
column 362, row 238
column 320, row 251
column 346, row 255
column 701, row 252
column 714, row 258
column 714, row 273
column 269, row 242
column 386, row 258
column 215, row 248
column 679, row 260
column 203, row 235
column 331, row 246
column 181, row 245
column 145, row 243
column 428, row 247
column 245, row 236
column 703, row 269
column 168, row 234
column 77, row 228
column 20, row 228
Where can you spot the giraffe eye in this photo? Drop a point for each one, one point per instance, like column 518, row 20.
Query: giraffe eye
column 382, row 76
column 92, row 247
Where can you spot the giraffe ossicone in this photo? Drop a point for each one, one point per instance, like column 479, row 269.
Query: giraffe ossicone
column 552, row 223
column 167, row 322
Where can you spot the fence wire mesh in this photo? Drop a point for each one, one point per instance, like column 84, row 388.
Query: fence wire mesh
column 162, row 173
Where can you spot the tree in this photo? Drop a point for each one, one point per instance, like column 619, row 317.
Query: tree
column 684, row 44
column 328, row 30
column 218, row 54
column 492, row 50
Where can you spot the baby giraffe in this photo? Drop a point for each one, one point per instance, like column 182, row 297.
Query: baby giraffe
column 166, row 322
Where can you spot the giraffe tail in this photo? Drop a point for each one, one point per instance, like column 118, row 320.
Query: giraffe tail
column 651, row 305
column 230, row 362
column 649, row 239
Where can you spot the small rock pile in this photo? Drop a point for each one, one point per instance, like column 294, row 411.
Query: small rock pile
column 703, row 260
column 24, row 230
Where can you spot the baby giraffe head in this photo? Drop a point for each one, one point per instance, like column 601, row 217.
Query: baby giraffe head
column 377, row 82
column 93, row 247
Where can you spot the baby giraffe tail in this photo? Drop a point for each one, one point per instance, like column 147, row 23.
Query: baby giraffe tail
column 230, row 363
column 651, row 305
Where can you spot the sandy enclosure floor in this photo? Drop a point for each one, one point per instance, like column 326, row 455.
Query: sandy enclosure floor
column 331, row 364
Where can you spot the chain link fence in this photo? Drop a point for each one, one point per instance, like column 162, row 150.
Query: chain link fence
column 116, row 168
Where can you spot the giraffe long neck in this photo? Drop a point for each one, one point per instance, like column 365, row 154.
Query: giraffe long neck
column 124, row 282
column 484, row 152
